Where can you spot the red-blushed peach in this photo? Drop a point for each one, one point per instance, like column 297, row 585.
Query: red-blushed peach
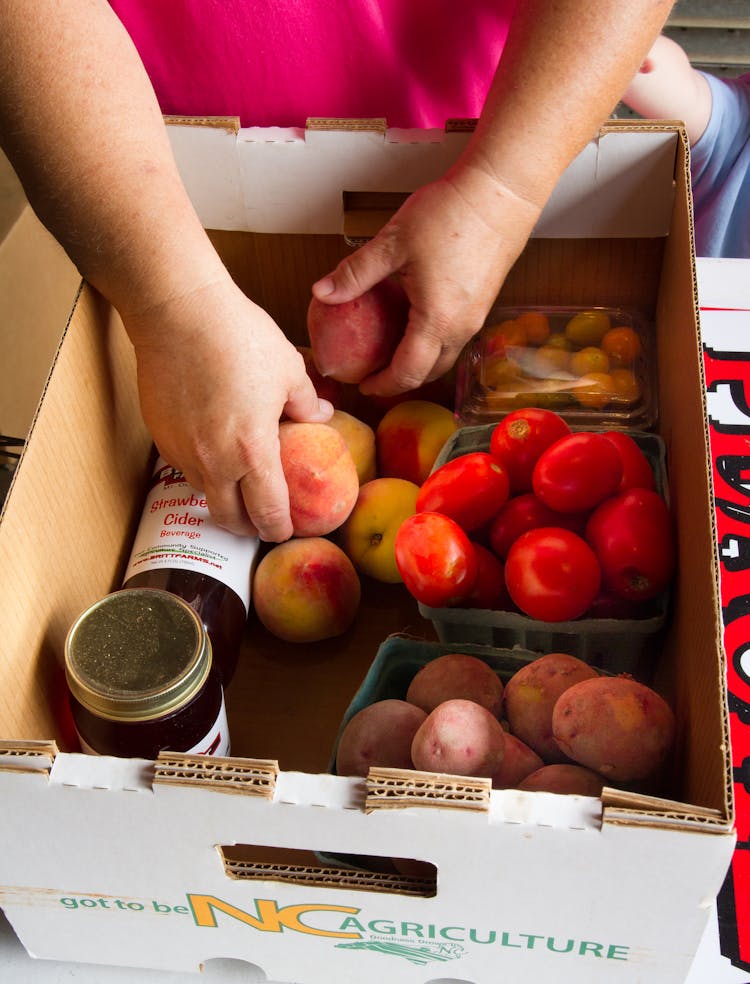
column 518, row 762
column 380, row 734
column 563, row 777
column 456, row 675
column 360, row 439
column 357, row 338
column 320, row 474
column 460, row 737
column 530, row 696
column 616, row 726
column 326, row 388
column 409, row 438
column 368, row 534
column 305, row 590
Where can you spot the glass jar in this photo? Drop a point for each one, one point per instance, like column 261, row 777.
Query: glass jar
column 141, row 678
column 179, row 548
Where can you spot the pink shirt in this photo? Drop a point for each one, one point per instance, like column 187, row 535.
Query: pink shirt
column 278, row 62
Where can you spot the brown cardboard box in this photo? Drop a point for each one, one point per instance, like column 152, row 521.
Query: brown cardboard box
column 154, row 864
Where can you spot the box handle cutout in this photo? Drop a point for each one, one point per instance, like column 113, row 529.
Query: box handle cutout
column 366, row 873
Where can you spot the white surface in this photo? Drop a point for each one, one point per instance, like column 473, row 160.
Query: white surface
column 16, row 967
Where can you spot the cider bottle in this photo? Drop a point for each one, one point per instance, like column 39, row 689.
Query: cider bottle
column 180, row 549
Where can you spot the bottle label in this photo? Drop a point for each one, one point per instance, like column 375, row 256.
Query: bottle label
column 176, row 531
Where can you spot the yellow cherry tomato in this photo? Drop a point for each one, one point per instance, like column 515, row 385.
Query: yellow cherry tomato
column 536, row 326
column 589, row 359
column 622, row 345
column 587, row 328
column 627, row 389
column 594, row 391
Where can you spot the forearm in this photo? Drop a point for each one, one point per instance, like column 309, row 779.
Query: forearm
column 563, row 70
column 81, row 125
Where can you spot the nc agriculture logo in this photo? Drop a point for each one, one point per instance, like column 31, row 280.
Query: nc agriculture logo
column 350, row 929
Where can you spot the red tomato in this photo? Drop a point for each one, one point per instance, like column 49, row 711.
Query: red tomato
column 520, row 437
column 637, row 472
column 436, row 559
column 552, row 574
column 489, row 589
column 470, row 489
column 526, row 512
column 577, row 472
column 631, row 533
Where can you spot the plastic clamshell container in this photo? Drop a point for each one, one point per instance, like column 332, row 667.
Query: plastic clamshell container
column 616, row 645
column 591, row 365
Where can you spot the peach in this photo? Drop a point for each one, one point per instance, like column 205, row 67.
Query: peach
column 380, row 734
column 321, row 476
column 456, row 675
column 564, row 778
column 460, row 738
column 518, row 762
column 360, row 439
column 305, row 590
column 617, row 726
column 368, row 534
column 350, row 341
column 409, row 438
column 530, row 697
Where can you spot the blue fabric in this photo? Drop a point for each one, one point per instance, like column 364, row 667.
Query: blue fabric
column 720, row 161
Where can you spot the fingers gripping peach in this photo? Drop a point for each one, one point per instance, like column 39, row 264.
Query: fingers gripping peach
column 321, row 475
column 357, row 338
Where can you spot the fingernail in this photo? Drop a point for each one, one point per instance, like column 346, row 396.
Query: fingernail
column 325, row 287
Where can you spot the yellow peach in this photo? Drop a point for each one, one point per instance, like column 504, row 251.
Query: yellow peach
column 360, row 439
column 368, row 534
column 306, row 590
column 409, row 438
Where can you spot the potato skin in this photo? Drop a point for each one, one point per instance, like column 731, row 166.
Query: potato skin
column 456, row 676
column 380, row 734
column 617, row 726
column 564, row 777
column 518, row 762
column 459, row 737
column 530, row 697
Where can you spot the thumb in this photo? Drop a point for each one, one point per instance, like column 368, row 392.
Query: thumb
column 305, row 406
column 357, row 273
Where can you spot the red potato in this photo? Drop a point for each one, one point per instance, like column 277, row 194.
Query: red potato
column 530, row 697
column 380, row 734
column 564, row 778
column 459, row 738
column 617, row 726
column 518, row 762
column 350, row 341
column 456, row 675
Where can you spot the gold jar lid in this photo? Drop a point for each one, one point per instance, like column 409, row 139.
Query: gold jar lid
column 137, row 654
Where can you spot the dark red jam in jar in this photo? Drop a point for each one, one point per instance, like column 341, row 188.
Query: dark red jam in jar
column 179, row 548
column 141, row 678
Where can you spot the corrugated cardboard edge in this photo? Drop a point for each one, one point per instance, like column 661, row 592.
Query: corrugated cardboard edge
column 247, row 777
column 329, row 877
column 229, row 123
column 28, row 756
column 389, row 789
